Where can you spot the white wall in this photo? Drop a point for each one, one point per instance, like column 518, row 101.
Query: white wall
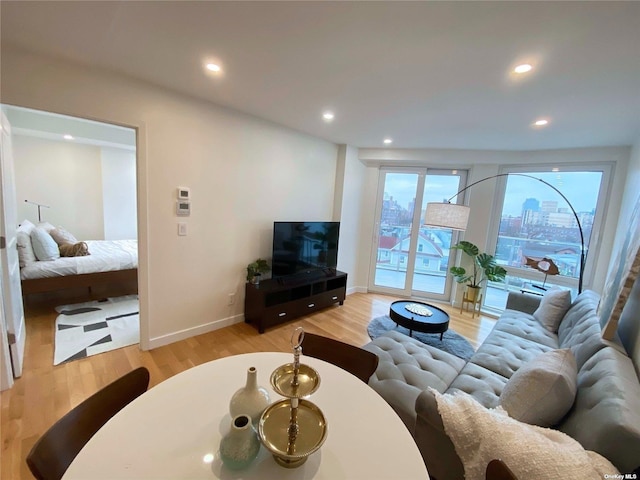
column 482, row 164
column 119, row 194
column 350, row 209
column 243, row 173
column 64, row 175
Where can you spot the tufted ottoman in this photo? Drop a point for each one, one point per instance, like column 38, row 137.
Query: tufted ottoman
column 407, row 367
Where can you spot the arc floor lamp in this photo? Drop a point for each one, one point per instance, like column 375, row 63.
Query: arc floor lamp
column 455, row 216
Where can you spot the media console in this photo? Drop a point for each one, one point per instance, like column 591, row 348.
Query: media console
column 272, row 302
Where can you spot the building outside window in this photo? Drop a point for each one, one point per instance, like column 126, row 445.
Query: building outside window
column 535, row 222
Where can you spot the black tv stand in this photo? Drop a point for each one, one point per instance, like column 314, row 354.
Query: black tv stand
column 272, row 302
column 305, row 277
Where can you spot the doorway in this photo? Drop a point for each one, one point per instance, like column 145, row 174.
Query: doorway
column 77, row 173
column 406, row 260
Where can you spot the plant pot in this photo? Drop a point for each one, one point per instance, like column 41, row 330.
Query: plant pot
column 472, row 293
column 256, row 278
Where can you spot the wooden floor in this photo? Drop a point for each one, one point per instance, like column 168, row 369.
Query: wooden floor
column 45, row 393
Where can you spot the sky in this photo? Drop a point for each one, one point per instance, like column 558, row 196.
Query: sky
column 580, row 188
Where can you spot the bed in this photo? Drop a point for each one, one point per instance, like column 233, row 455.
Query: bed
column 108, row 262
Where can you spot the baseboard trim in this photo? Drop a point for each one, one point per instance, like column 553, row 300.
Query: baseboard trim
column 192, row 332
column 352, row 290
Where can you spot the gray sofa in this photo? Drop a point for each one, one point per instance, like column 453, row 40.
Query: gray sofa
column 605, row 416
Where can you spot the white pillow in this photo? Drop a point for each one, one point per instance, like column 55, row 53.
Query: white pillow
column 480, row 435
column 44, row 245
column 26, row 255
column 553, row 306
column 542, row 391
column 62, row 236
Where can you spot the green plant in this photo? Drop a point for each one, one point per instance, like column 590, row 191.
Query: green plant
column 258, row 267
column 484, row 267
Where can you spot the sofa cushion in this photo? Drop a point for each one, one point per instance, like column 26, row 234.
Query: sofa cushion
column 531, row 452
column 605, row 416
column 482, row 384
column 504, row 353
column 553, row 306
column 406, row 368
column 523, row 325
column 580, row 330
column 543, row 390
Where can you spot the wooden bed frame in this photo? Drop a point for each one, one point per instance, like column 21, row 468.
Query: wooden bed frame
column 87, row 280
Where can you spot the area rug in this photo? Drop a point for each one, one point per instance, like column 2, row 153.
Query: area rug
column 86, row 329
column 452, row 342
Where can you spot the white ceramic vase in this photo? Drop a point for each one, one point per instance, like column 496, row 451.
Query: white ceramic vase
column 241, row 445
column 251, row 399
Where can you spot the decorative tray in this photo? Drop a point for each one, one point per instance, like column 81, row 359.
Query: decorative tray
column 273, row 429
column 282, row 381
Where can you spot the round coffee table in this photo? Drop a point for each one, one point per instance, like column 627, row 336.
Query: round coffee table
column 437, row 322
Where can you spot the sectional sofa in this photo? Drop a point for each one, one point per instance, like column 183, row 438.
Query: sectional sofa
column 604, row 406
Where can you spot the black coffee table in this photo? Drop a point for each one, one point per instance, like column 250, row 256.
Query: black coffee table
column 438, row 322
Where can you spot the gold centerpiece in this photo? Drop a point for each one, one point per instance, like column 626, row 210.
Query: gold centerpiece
column 293, row 428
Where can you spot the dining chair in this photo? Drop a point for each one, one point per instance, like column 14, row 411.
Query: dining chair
column 498, row 470
column 57, row 447
column 355, row 360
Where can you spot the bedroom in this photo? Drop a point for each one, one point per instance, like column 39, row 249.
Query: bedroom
column 77, row 179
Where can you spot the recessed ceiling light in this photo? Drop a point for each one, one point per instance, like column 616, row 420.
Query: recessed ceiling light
column 328, row 116
column 68, row 137
column 524, row 68
column 387, row 141
column 212, row 67
column 541, row 123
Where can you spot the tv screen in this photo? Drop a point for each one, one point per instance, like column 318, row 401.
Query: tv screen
column 304, row 247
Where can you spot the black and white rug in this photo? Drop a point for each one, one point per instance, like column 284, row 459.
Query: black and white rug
column 452, row 342
column 85, row 329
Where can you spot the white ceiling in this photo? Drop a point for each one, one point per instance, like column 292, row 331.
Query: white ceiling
column 427, row 74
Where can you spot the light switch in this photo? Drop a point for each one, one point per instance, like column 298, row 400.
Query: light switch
column 182, row 229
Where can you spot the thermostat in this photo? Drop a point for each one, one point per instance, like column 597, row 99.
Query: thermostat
column 183, row 208
column 184, row 193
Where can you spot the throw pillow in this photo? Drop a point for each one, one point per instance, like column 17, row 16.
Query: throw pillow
column 26, row 255
column 480, row 435
column 542, row 391
column 62, row 236
column 44, row 246
column 553, row 306
column 79, row 249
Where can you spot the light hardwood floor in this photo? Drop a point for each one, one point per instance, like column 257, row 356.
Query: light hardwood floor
column 45, row 393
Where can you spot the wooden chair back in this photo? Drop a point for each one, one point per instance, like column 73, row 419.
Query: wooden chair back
column 498, row 470
column 355, row 360
column 57, row 447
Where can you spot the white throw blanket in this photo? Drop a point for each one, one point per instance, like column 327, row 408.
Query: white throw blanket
column 531, row 452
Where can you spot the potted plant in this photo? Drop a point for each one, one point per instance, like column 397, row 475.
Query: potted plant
column 484, row 268
column 256, row 269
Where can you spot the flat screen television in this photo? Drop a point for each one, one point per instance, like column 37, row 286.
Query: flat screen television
column 304, row 247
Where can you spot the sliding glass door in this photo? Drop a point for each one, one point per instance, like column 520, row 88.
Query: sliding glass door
column 410, row 261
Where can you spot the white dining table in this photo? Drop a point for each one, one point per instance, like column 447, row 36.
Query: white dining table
column 174, row 430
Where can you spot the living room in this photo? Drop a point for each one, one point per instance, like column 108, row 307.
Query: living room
column 245, row 172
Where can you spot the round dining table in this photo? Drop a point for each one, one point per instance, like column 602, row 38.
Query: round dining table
column 173, row 431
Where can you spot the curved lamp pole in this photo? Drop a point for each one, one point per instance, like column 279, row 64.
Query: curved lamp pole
column 455, row 216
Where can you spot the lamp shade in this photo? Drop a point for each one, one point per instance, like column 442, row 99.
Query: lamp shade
column 447, row 215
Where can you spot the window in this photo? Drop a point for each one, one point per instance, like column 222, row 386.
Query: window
column 534, row 221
